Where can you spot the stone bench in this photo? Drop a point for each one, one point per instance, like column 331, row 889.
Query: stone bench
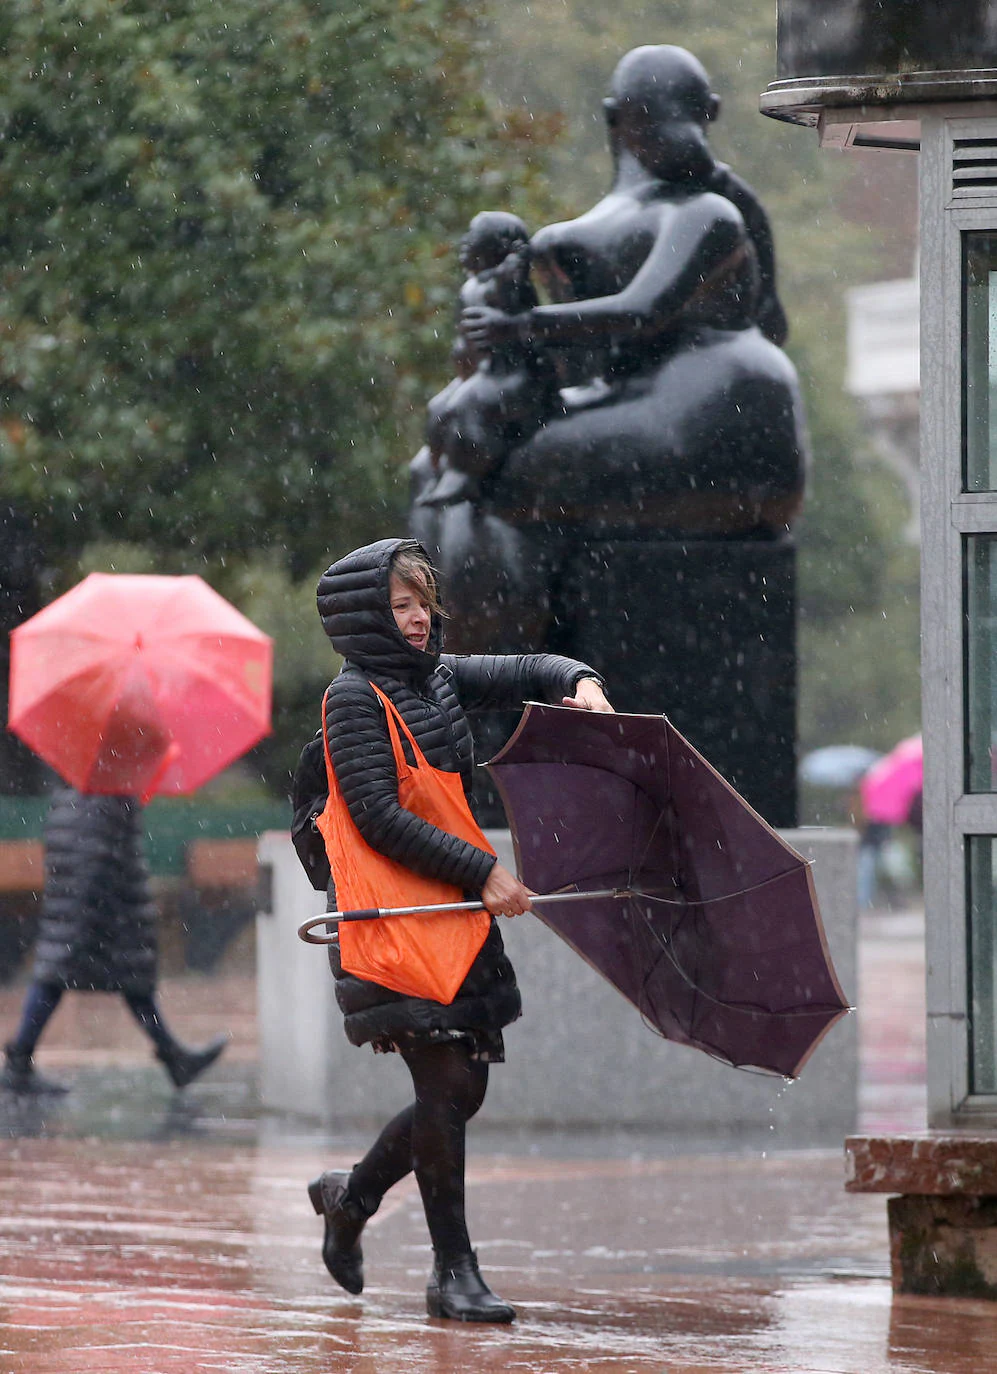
column 943, row 1217
column 222, row 863
column 21, row 866
column 209, row 863
column 200, row 913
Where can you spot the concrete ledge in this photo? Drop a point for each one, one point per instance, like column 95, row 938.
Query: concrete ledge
column 581, row 1055
column 928, row 1163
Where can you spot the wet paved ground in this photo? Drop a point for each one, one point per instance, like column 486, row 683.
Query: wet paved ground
column 148, row 1232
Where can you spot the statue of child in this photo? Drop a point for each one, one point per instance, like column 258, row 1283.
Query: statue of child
column 500, row 393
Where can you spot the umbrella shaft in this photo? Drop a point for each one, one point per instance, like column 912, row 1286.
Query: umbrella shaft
column 474, row 906
column 333, row 918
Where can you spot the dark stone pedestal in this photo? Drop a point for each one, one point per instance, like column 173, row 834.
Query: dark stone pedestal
column 943, row 1224
column 704, row 632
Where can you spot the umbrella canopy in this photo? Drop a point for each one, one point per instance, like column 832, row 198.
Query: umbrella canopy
column 139, row 684
column 890, row 787
column 837, row 765
column 714, row 931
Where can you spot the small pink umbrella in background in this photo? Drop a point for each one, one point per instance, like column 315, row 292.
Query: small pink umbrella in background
column 891, row 785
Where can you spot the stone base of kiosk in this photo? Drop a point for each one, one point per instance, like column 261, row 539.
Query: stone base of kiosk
column 943, row 1221
column 580, row 1057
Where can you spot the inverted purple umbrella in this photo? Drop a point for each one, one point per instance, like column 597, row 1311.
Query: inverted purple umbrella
column 713, row 930
column 667, row 883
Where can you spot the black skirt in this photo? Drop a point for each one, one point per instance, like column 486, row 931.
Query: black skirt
column 488, row 1047
column 487, row 1000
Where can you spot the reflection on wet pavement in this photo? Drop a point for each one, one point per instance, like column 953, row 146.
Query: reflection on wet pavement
column 147, row 1232
column 153, row 1256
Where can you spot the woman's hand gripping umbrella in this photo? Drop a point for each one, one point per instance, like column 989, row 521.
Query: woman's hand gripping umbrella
column 667, row 883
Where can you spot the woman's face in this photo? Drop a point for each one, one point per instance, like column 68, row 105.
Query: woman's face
column 411, row 611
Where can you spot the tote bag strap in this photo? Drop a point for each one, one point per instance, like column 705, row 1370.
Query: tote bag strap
column 395, row 720
column 325, row 739
column 402, row 765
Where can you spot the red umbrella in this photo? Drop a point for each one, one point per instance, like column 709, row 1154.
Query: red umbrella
column 139, row 684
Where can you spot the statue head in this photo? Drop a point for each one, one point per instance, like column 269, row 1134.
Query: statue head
column 491, row 236
column 659, row 104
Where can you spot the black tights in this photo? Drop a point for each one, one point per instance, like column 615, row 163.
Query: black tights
column 428, row 1137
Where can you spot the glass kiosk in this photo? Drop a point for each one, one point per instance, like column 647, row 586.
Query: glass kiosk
column 923, row 78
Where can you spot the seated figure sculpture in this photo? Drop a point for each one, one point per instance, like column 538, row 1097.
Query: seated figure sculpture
column 679, row 415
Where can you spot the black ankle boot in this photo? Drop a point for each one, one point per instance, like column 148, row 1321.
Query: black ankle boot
column 19, row 1075
column 457, row 1290
column 344, row 1221
column 183, row 1064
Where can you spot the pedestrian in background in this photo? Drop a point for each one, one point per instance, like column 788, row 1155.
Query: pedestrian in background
column 399, row 760
column 96, row 933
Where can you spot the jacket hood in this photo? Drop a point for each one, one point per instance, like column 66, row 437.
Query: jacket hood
column 355, row 607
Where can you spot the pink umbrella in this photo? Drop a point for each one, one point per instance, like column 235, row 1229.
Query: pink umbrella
column 889, row 788
column 139, row 683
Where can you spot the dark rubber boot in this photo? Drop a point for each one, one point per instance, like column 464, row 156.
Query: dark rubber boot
column 457, row 1290
column 344, row 1221
column 19, row 1075
column 183, row 1065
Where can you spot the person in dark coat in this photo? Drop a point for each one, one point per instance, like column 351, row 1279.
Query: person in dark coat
column 96, row 934
column 380, row 608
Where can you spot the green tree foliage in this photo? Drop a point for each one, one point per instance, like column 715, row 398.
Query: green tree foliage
column 228, row 276
column 226, row 260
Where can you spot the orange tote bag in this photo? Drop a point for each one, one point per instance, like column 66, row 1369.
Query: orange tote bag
column 421, row 956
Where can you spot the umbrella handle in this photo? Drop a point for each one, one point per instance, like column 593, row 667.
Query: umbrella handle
column 330, row 938
column 373, row 913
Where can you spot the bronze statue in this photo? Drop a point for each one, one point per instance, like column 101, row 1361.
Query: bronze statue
column 654, row 408
column 679, row 414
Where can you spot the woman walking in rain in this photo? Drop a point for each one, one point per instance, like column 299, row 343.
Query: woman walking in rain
column 97, row 933
column 399, row 759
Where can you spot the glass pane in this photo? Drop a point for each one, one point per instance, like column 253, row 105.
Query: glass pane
column 981, row 646
column 982, row 862
column 980, row 355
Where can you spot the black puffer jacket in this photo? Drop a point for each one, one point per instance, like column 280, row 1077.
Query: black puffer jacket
column 97, row 931
column 431, row 691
